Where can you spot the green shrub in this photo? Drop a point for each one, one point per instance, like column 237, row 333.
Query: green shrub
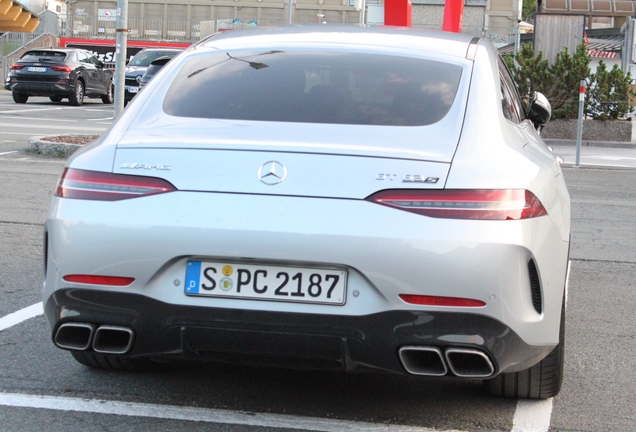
column 608, row 94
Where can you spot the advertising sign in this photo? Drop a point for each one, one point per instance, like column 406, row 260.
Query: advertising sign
column 105, row 49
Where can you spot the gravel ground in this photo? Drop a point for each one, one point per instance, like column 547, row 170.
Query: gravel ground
column 71, row 139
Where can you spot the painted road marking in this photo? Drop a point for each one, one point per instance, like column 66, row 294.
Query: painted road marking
column 611, row 158
column 21, row 315
column 207, row 415
column 530, row 416
column 65, row 128
column 30, row 110
column 6, row 117
column 15, row 151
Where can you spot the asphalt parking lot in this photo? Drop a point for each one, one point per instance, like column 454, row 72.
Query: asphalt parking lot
column 42, row 387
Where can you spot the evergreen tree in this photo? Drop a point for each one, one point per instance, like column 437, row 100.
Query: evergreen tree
column 608, row 93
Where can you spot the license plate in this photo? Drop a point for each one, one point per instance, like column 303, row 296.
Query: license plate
column 133, row 89
column 36, row 69
column 264, row 282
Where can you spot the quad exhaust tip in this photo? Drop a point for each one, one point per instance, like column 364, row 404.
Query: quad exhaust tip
column 431, row 361
column 469, row 363
column 113, row 340
column 105, row 339
column 418, row 360
column 74, row 336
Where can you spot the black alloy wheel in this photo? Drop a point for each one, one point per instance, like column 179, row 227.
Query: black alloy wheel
column 20, row 98
column 77, row 98
column 108, row 98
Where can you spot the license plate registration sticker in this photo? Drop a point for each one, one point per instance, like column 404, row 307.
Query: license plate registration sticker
column 264, row 282
column 36, row 69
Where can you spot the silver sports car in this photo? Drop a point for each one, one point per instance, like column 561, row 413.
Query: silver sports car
column 330, row 197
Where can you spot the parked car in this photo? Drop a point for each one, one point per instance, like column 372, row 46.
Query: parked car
column 60, row 73
column 138, row 66
column 360, row 199
column 154, row 67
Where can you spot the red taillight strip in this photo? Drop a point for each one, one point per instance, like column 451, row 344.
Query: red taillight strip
column 17, row 67
column 506, row 204
column 441, row 301
column 99, row 280
column 62, row 68
column 102, row 186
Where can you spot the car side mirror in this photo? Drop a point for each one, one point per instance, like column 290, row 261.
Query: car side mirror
column 540, row 110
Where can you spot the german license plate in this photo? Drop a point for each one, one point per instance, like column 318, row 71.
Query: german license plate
column 264, row 282
column 36, row 69
column 133, row 89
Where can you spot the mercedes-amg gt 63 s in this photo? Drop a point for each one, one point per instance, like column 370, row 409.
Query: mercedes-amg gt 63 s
column 327, row 197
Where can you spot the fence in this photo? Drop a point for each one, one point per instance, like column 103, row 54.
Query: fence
column 12, row 41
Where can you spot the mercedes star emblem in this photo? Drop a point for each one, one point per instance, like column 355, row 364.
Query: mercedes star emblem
column 271, row 173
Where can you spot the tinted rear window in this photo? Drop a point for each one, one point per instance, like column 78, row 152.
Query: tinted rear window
column 41, row 56
column 314, row 87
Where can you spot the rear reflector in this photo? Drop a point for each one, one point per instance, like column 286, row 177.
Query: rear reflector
column 441, row 301
column 102, row 186
column 510, row 204
column 99, row 280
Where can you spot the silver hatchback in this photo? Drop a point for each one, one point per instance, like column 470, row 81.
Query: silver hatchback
column 330, row 197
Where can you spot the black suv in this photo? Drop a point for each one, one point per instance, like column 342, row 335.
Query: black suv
column 60, row 73
column 138, row 65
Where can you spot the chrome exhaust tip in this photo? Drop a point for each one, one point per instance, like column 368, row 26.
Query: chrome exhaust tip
column 113, row 340
column 469, row 363
column 419, row 360
column 74, row 336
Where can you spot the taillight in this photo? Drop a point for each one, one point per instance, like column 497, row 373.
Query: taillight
column 441, row 301
column 62, row 68
column 102, row 186
column 510, row 204
column 17, row 67
column 99, row 280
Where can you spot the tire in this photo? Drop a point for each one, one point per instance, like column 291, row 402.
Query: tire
column 56, row 98
column 77, row 98
column 108, row 98
column 541, row 381
column 20, row 98
column 109, row 362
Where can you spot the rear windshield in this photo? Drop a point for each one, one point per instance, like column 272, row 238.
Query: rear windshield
column 43, row 56
column 314, row 87
column 143, row 58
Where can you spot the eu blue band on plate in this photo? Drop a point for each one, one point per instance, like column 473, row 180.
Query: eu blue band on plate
column 193, row 274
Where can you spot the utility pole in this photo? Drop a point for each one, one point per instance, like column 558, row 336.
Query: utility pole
column 121, row 43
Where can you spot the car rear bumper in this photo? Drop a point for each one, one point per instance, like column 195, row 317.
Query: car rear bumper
column 42, row 88
column 329, row 342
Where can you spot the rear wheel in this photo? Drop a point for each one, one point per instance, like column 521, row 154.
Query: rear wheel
column 56, row 98
column 109, row 362
column 108, row 97
column 541, row 381
column 77, row 98
column 20, row 98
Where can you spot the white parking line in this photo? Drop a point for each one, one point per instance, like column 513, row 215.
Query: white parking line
column 30, row 110
column 532, row 416
column 37, row 126
column 15, row 151
column 7, row 117
column 198, row 414
column 21, row 315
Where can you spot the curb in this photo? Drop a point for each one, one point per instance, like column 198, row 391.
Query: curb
column 38, row 145
column 588, row 143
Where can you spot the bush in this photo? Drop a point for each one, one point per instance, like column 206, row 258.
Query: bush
column 558, row 82
column 608, row 94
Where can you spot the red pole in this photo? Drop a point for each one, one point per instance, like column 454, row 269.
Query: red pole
column 453, row 12
column 397, row 13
